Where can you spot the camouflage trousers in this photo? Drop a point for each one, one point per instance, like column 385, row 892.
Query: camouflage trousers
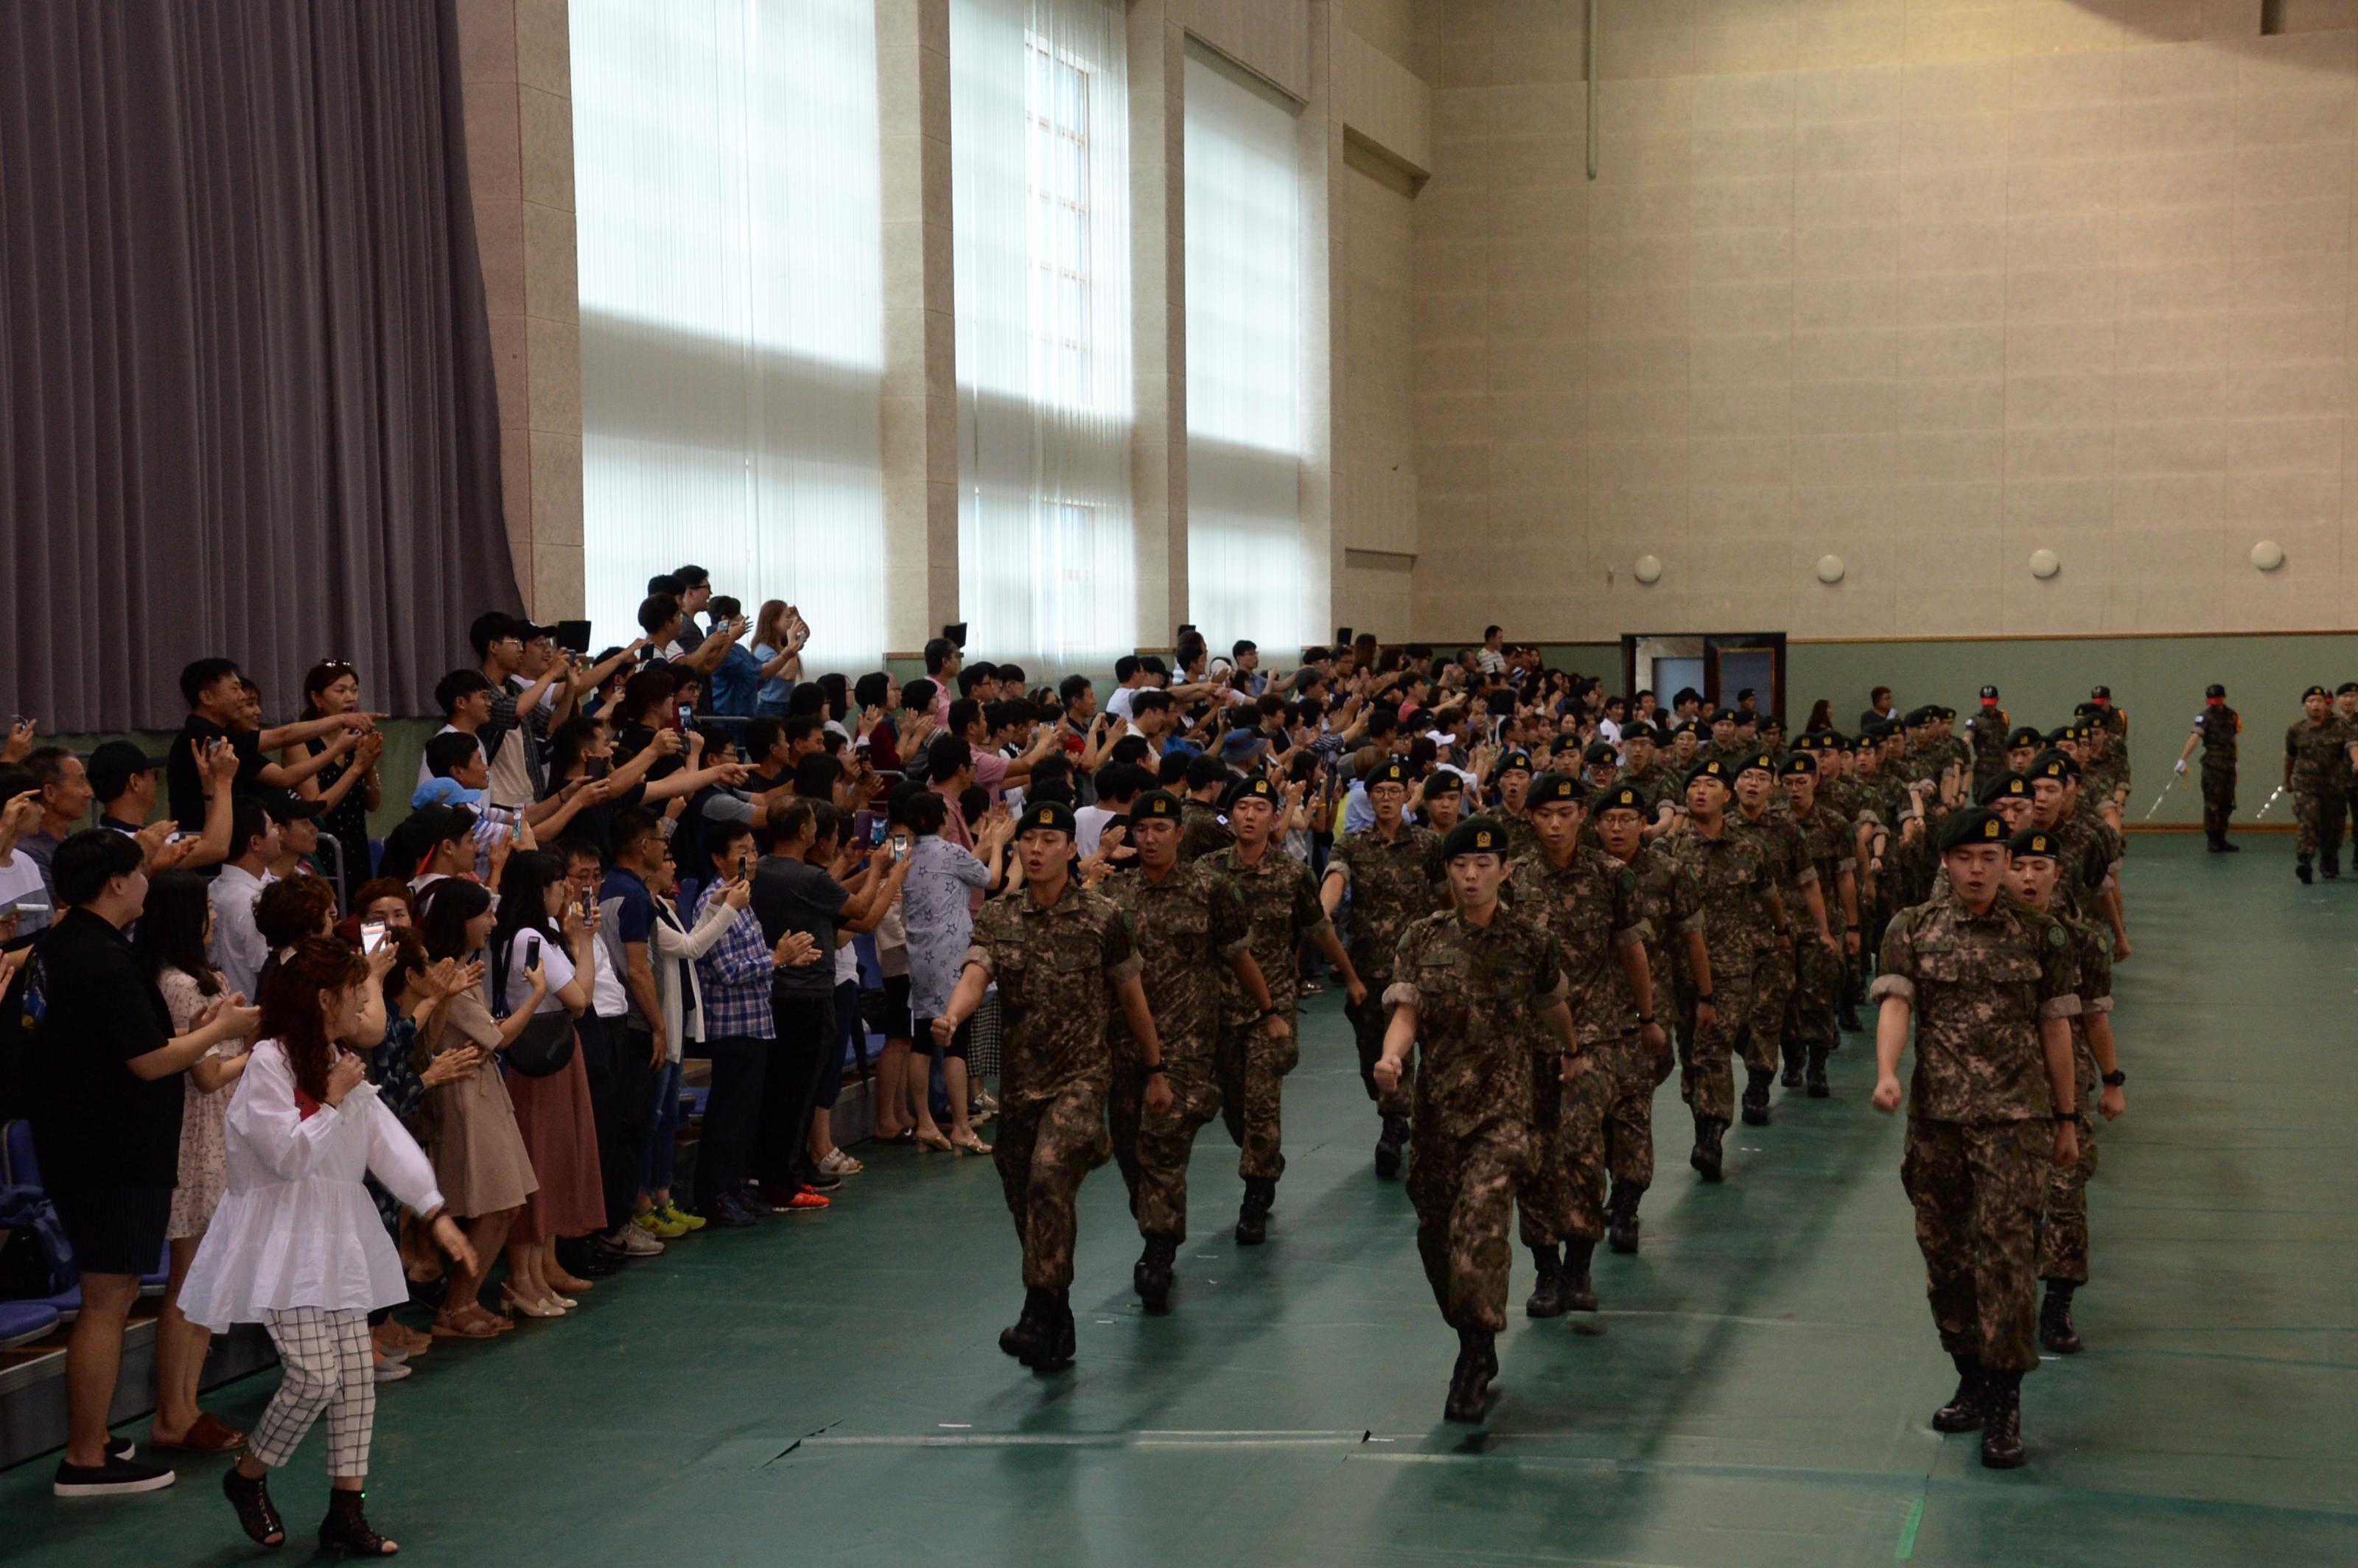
column 1707, row 1074
column 1772, row 993
column 1370, row 1020
column 1252, row 1073
column 2063, row 1235
column 1563, row 1198
column 2218, row 796
column 1152, row 1149
column 1635, row 1072
column 1810, row 1013
column 1043, row 1147
column 2318, row 815
column 1462, row 1187
column 1978, row 1189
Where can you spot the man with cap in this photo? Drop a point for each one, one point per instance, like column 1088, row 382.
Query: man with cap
column 298, row 835
column 1600, row 765
column 1721, row 740
column 1669, row 909
column 1064, row 961
column 2022, row 743
column 2009, row 795
column 1189, row 924
column 1467, row 984
column 2320, row 756
column 1987, row 732
column 1741, row 914
column 1440, row 800
column 1810, row 1031
column 1514, row 780
column 1393, row 874
column 2115, row 719
column 1643, row 768
column 2090, row 850
column 2104, row 767
column 1988, row 984
column 2033, row 878
column 1786, row 852
column 1282, row 902
column 2345, row 711
column 122, row 780
column 1587, row 901
column 2215, row 730
column 1201, row 829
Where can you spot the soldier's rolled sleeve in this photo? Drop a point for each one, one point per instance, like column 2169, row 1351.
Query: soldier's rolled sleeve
column 1633, row 935
column 1311, row 931
column 979, row 957
column 2054, row 1007
column 1400, row 993
column 1899, row 965
column 1310, row 915
column 1847, row 863
column 1900, row 986
column 1125, row 969
column 1691, row 923
column 1339, row 866
column 1806, row 876
column 2095, row 1004
column 1241, row 945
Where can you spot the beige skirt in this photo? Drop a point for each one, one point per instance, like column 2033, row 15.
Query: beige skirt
column 480, row 1161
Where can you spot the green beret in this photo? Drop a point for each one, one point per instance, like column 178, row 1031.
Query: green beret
column 1394, row 772
column 1443, row 780
column 1046, row 816
column 2036, row 841
column 1600, row 751
column 1921, row 716
column 1257, row 785
column 1474, row 836
column 2315, row 691
column 1640, row 730
column 1550, row 788
column 1759, row 760
column 1770, row 721
column 2005, row 786
column 2053, row 765
column 2024, row 735
column 1154, row 803
column 1514, row 761
column 1621, row 798
column 1712, row 768
column 1832, row 741
column 1800, row 765
column 1974, row 825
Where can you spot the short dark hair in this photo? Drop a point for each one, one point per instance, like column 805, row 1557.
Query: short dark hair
column 690, row 576
column 1243, row 646
column 457, row 687
column 446, row 754
column 200, row 674
column 1122, row 781
column 720, row 835
column 1126, row 666
column 652, row 685
column 665, row 582
column 91, row 859
column 658, row 611
column 787, row 819
column 1145, row 701
column 947, row 757
column 573, row 850
column 940, row 651
column 1488, row 632
column 1152, row 665
column 1130, row 751
column 631, row 826
column 247, row 822
column 47, row 764
column 924, row 810
column 761, row 736
column 1173, row 769
column 724, row 607
column 917, row 695
column 490, row 627
column 963, row 712
column 1070, row 689
column 800, row 728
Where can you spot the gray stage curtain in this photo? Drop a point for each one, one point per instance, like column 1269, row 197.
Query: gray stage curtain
column 246, row 401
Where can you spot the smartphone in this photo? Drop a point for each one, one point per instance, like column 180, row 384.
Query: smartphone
column 685, row 716
column 589, row 905
column 744, row 868
column 573, row 636
column 532, row 952
column 877, row 829
column 372, row 937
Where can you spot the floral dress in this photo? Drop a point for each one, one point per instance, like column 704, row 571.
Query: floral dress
column 203, row 1154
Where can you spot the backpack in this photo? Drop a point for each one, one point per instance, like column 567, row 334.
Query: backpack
column 22, row 1007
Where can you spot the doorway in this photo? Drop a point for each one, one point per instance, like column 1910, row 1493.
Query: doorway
column 1720, row 665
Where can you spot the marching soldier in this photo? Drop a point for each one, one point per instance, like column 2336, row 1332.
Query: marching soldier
column 2321, row 754
column 1189, row 922
column 1201, row 829
column 1810, row 1032
column 1465, row 984
column 1987, row 732
column 1740, row 912
column 1513, row 816
column 1063, row 959
column 1773, row 977
column 1988, row 983
column 1394, row 876
column 2092, row 855
column 2216, row 729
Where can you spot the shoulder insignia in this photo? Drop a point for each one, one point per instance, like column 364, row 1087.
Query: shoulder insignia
column 1629, row 879
column 2055, row 935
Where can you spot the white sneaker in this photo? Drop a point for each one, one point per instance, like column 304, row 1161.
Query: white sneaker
column 392, row 1371
column 636, row 1242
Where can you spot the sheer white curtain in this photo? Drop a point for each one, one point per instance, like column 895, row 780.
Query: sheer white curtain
column 726, row 177
column 1244, row 568
column 1040, row 163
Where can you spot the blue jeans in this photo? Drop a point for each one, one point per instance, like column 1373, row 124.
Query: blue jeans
column 663, row 1132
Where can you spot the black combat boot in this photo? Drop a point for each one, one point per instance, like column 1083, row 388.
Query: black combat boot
column 1029, row 1338
column 1469, row 1383
column 1755, row 1097
column 1793, row 1057
column 1388, row 1144
column 2229, row 845
column 1547, row 1294
column 1578, row 1293
column 1621, row 1218
column 1706, row 1155
column 1963, row 1410
column 2332, row 865
column 1818, row 1087
column 1846, row 1009
column 2218, row 842
column 2002, row 1422
column 2300, row 868
column 1252, row 1217
column 2055, row 1330
column 1152, row 1277
column 1058, row 1341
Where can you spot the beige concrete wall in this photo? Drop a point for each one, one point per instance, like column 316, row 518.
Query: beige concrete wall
column 1928, row 284
column 516, row 71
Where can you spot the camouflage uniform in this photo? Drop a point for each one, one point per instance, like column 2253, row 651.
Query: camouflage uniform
column 1391, row 885
column 2218, row 724
column 1732, row 886
column 1470, row 1144
column 1523, row 838
column 1809, row 1031
column 1784, row 848
column 1201, row 831
column 2319, row 758
column 2064, row 1239
column 2089, row 858
column 1057, row 969
column 1666, row 902
column 1979, row 1127
column 1186, row 926
column 1987, row 732
column 1589, row 906
column 1284, row 903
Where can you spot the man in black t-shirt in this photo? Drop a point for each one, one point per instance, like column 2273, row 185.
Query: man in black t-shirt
column 105, row 1096
column 215, row 692
column 792, row 894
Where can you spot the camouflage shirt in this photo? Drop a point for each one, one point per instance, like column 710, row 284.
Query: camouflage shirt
column 2088, row 855
column 2319, row 755
column 1590, row 907
column 1987, row 732
column 1826, row 839
column 1057, row 969
column 2218, row 724
column 1980, row 986
column 1201, row 831
column 1668, row 901
column 1392, row 884
column 1731, row 887
column 1186, row 926
column 1523, row 838
column 1283, row 903
column 1475, row 989
column 1784, row 848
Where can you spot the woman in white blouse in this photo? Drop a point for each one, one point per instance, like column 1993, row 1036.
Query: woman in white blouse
column 295, row 1244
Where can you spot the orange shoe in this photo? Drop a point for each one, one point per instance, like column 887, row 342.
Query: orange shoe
column 806, row 1202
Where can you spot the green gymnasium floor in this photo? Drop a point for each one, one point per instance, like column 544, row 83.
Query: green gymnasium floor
column 828, row 1390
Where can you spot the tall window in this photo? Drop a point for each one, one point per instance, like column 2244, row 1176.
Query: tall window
column 727, row 181
column 1245, row 568
column 1040, row 164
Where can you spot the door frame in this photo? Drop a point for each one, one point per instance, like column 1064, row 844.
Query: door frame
column 1713, row 644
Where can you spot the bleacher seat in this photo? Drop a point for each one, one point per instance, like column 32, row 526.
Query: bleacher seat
column 21, row 1322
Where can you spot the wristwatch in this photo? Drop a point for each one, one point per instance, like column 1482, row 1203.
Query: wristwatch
column 1702, row 998
column 2073, row 1115
column 1152, row 1069
column 2115, row 1078
column 1644, row 1019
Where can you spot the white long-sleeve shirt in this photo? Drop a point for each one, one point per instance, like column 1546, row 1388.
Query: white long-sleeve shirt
column 295, row 1227
column 671, row 944
column 238, row 950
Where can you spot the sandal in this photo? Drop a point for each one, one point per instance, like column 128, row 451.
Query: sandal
column 516, row 1304
column 467, row 1322
column 971, row 1144
column 934, row 1141
column 346, row 1528
column 837, row 1164
column 251, row 1499
column 205, row 1435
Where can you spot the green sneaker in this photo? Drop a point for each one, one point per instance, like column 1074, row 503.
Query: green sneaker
column 677, row 1215
column 653, row 1223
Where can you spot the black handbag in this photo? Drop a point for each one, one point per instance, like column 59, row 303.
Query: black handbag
column 548, row 1042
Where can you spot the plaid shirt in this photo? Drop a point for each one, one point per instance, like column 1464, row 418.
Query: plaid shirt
column 735, row 975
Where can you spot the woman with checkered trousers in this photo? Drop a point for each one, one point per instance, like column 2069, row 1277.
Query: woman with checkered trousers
column 295, row 1244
